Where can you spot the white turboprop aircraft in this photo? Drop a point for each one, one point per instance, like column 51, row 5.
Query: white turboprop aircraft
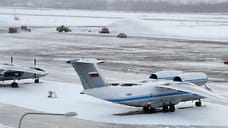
column 12, row 72
column 164, row 89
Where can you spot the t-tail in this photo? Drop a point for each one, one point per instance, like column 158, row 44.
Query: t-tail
column 88, row 72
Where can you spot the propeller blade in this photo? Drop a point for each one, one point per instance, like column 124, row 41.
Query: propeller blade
column 34, row 62
column 11, row 60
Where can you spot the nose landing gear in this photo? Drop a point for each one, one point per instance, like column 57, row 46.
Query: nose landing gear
column 36, row 80
column 198, row 103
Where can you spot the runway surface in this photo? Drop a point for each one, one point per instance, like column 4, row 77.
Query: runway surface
column 134, row 55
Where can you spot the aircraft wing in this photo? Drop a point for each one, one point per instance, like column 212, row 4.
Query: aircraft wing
column 194, row 89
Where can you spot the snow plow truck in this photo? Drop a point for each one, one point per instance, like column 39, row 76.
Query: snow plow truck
column 62, row 28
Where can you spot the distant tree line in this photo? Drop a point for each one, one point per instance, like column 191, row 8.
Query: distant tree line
column 122, row 5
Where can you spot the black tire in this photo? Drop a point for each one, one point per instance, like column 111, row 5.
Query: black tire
column 60, row 30
column 148, row 109
column 198, row 104
column 36, row 81
column 14, row 85
column 172, row 108
column 165, row 108
column 66, row 30
column 145, row 109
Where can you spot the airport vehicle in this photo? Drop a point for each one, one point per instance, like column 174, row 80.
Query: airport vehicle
column 104, row 30
column 18, row 29
column 13, row 30
column 25, row 28
column 163, row 89
column 122, row 35
column 12, row 72
column 226, row 62
column 62, row 28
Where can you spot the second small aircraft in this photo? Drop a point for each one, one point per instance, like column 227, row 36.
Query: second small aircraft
column 12, row 72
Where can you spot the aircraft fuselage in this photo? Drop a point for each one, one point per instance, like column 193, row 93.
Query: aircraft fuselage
column 140, row 95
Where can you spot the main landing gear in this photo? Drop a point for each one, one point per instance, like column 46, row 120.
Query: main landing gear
column 148, row 108
column 170, row 108
column 198, row 103
column 14, row 85
column 165, row 108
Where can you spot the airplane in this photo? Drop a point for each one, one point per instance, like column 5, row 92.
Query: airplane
column 12, row 72
column 163, row 89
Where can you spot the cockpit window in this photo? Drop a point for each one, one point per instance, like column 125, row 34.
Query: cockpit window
column 128, row 84
column 114, row 84
column 124, row 84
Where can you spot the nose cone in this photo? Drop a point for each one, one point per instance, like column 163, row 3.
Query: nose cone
column 42, row 74
column 45, row 74
column 39, row 71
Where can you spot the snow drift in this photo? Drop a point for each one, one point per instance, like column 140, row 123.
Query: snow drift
column 130, row 25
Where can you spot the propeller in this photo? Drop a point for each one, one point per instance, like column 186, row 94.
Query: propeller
column 11, row 60
column 34, row 62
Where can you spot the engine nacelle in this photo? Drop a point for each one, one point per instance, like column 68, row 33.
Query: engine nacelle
column 197, row 78
column 166, row 75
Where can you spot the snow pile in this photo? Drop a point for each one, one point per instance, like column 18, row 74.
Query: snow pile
column 162, row 25
column 130, row 25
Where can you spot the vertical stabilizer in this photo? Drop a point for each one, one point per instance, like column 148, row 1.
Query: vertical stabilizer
column 88, row 72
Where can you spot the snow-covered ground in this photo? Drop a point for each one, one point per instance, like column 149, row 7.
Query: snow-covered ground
column 134, row 54
column 4, row 126
column 205, row 26
column 35, row 96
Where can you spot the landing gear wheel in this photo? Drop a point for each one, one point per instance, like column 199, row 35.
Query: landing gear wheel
column 145, row 109
column 148, row 109
column 165, row 108
column 172, row 108
column 36, row 80
column 198, row 104
column 14, row 85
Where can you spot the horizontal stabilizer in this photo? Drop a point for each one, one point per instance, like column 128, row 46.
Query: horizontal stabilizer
column 89, row 61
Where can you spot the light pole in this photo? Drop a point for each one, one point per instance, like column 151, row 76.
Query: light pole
column 68, row 114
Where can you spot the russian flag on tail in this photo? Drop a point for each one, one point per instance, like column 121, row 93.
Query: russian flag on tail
column 93, row 74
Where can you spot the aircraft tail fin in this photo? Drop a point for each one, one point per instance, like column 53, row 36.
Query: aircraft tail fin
column 88, row 72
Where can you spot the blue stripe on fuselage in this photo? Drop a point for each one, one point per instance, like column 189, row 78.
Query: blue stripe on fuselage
column 146, row 97
column 195, row 80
